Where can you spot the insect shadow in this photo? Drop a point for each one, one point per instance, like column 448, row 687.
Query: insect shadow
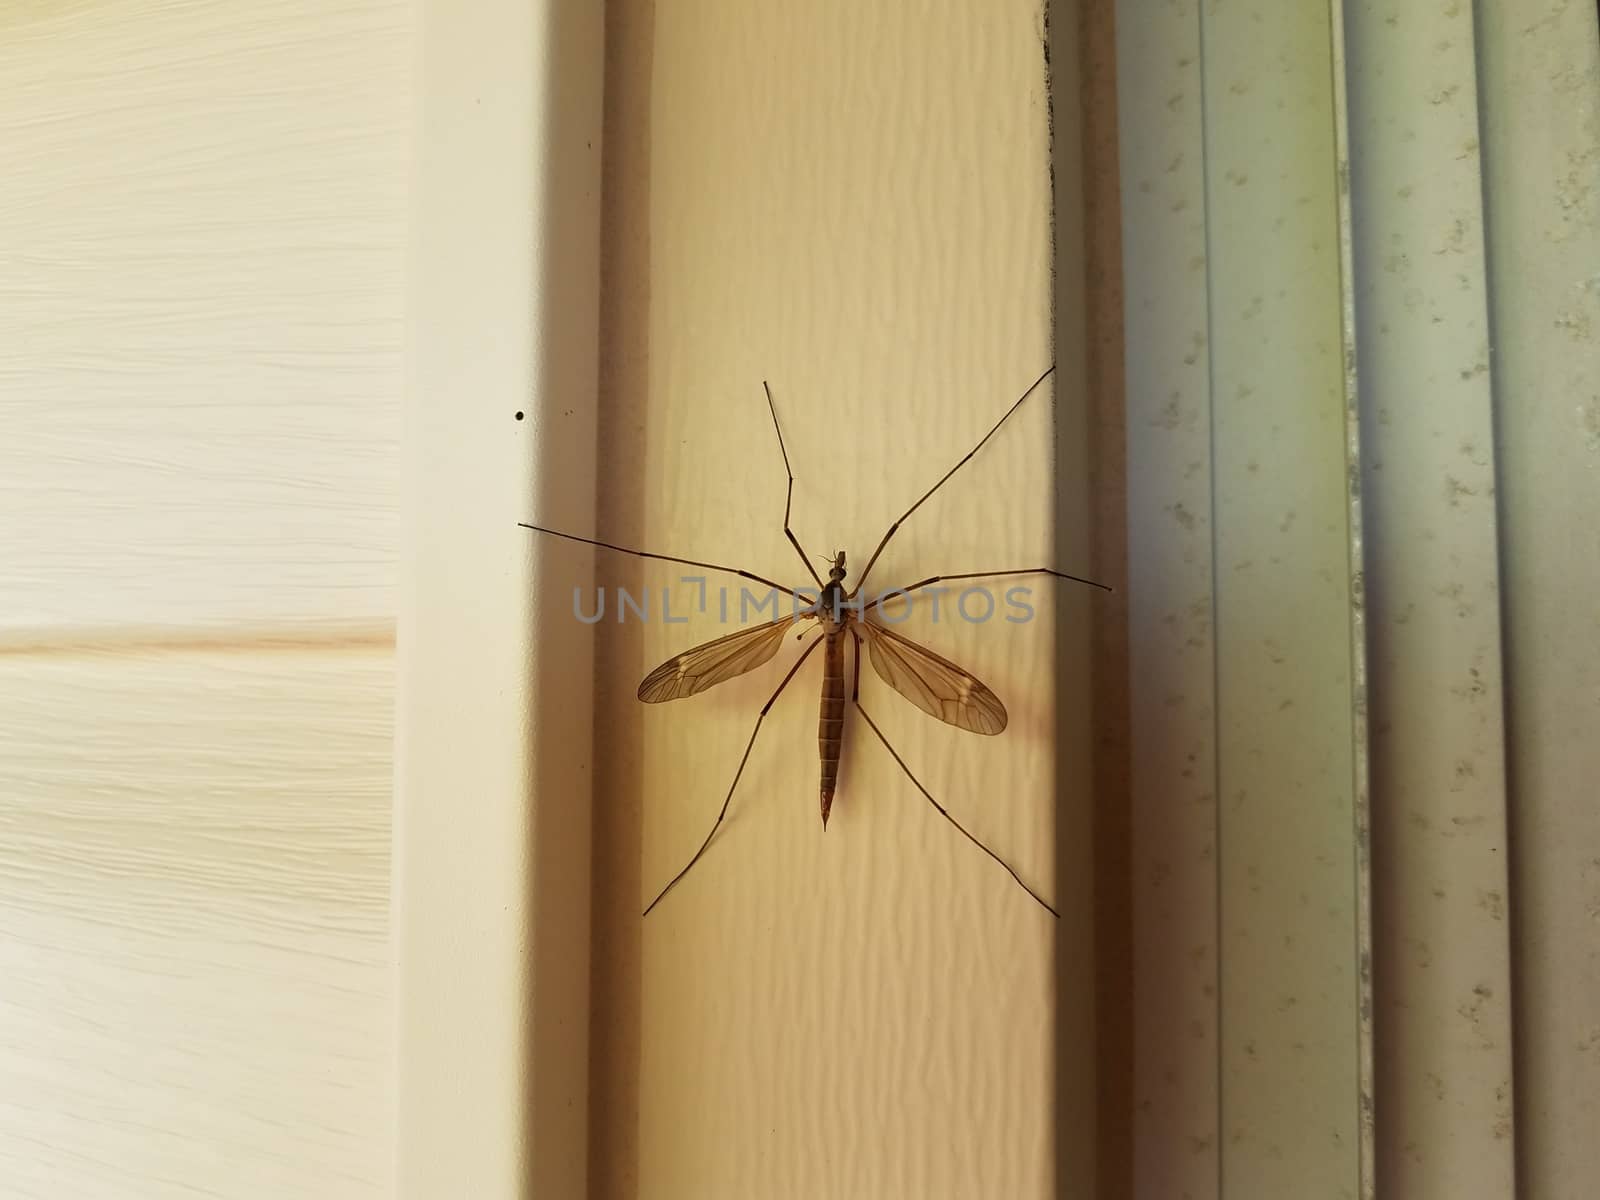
column 933, row 683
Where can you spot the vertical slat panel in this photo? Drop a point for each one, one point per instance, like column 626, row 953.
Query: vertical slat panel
column 1541, row 95
column 1285, row 751
column 1247, row 878
column 1432, row 604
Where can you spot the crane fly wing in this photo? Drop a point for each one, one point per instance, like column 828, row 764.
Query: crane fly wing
column 715, row 662
column 934, row 684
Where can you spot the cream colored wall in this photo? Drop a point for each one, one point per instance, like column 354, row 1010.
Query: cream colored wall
column 871, row 1011
column 201, row 252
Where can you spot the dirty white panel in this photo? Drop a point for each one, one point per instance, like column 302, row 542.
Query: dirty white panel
column 1443, row 954
column 1287, row 871
column 1541, row 123
column 1247, row 985
column 1244, row 738
column 1247, row 722
column 200, row 321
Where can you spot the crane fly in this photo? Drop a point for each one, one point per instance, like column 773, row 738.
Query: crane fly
column 933, row 683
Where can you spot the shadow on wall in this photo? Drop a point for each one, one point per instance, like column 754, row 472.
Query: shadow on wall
column 584, row 848
column 1094, row 1030
column 615, row 967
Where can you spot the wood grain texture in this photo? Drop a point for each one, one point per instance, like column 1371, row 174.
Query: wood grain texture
column 193, row 925
column 200, row 276
column 200, row 322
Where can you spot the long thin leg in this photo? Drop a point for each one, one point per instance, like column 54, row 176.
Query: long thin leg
column 933, row 579
column 855, row 686
column 688, row 562
column 788, row 497
column 729, row 797
column 907, row 514
column 943, row 812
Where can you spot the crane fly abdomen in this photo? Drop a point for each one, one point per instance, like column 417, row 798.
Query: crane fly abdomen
column 830, row 722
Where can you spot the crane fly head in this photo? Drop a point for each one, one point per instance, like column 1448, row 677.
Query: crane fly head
column 836, row 571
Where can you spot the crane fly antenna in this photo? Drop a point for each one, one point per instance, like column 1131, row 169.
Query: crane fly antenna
column 788, row 496
column 728, row 799
column 688, row 562
column 905, row 516
column 942, row 811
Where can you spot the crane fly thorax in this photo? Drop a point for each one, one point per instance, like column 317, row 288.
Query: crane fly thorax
column 833, row 604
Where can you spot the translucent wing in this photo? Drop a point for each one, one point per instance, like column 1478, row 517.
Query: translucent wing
column 934, row 684
column 713, row 663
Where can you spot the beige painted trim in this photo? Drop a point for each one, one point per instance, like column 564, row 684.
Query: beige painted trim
column 492, row 842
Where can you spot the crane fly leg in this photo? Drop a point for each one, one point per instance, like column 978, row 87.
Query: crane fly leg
column 788, row 498
column 728, row 799
column 933, row 579
column 688, row 562
column 944, row 812
column 855, row 677
column 906, row 516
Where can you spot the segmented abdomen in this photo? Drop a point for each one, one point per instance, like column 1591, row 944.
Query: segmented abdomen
column 830, row 724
